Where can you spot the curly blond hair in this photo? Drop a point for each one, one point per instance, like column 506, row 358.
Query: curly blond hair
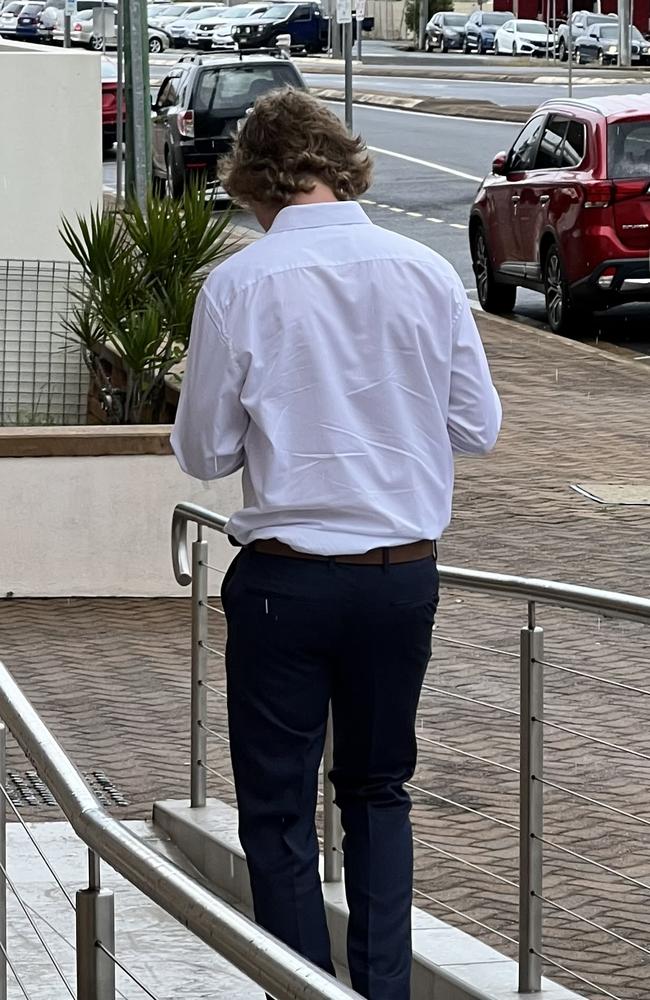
column 289, row 140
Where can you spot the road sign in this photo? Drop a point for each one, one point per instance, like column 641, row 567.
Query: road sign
column 344, row 11
column 361, row 9
column 70, row 8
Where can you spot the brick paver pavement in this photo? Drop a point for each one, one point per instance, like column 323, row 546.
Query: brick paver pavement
column 111, row 676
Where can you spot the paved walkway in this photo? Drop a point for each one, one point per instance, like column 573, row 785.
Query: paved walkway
column 111, row 676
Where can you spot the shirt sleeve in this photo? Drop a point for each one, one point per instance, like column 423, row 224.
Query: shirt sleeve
column 474, row 415
column 211, row 423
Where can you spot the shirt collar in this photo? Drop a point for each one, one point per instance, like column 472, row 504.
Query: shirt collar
column 335, row 213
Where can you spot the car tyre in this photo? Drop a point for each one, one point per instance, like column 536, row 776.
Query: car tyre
column 496, row 49
column 562, row 51
column 466, row 48
column 155, row 45
column 96, row 43
column 563, row 316
column 173, row 183
column 479, row 46
column 493, row 296
column 428, row 44
column 443, row 46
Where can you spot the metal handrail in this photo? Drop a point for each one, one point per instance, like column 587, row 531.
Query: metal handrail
column 564, row 595
column 274, row 967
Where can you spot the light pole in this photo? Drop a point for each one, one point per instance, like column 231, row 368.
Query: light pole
column 570, row 40
column 422, row 30
column 138, row 101
column 624, row 33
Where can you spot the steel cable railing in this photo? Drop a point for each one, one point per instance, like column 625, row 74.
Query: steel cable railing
column 531, row 724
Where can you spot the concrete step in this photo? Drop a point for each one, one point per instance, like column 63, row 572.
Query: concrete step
column 447, row 963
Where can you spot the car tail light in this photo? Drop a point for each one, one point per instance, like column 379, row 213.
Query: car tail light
column 186, row 124
column 109, row 101
column 606, row 278
column 77, row 27
column 598, row 194
column 633, row 188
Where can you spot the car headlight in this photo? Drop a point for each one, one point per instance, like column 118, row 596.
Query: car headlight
column 612, row 49
column 645, row 48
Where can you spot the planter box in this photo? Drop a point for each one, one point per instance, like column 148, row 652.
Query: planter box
column 87, row 512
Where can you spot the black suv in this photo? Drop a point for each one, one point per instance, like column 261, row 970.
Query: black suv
column 198, row 108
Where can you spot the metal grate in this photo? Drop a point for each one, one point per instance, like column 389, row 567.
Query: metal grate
column 43, row 378
column 26, row 790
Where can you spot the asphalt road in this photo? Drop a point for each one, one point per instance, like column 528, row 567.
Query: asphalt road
column 427, row 171
column 505, row 94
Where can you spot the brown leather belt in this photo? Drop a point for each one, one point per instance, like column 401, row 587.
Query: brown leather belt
column 375, row 557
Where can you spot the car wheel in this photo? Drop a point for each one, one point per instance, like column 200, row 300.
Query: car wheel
column 428, row 43
column 562, row 51
column 466, row 48
column 496, row 49
column 173, row 184
column 479, row 46
column 562, row 314
column 443, row 46
column 155, row 45
column 494, row 297
column 96, row 43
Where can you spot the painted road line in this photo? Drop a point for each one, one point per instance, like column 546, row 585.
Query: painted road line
column 393, row 208
column 415, row 215
column 457, row 225
column 431, row 218
column 425, row 163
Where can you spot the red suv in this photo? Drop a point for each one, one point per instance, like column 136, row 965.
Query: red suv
column 567, row 211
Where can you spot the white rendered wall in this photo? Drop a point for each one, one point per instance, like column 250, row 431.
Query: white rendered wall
column 51, row 149
column 101, row 526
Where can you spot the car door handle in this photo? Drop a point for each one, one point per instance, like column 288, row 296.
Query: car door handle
column 515, row 199
column 544, row 199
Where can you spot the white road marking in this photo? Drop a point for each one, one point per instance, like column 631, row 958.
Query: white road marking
column 415, row 215
column 394, row 209
column 457, row 225
column 425, row 163
column 432, row 219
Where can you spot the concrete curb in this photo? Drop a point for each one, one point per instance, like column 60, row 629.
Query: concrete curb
column 485, row 110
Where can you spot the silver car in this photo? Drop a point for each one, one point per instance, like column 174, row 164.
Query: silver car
column 202, row 36
column 175, row 10
column 9, row 18
column 179, row 30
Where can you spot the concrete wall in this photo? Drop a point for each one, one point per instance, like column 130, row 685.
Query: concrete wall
column 99, row 526
column 51, row 163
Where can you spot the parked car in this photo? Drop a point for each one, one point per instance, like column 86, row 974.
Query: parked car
column 445, row 31
column 109, row 105
column 307, row 24
column 9, row 18
column 566, row 212
column 198, row 108
column 600, row 44
column 56, row 8
column 581, row 22
column 202, row 34
column 222, row 36
column 159, row 40
column 179, row 30
column 173, row 11
column 481, row 29
column 28, row 24
column 518, row 37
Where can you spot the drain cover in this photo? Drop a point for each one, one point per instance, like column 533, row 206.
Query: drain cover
column 615, row 493
column 27, row 790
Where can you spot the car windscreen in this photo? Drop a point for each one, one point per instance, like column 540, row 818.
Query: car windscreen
column 229, row 87
column 628, row 149
column 491, row 19
column 278, row 11
column 31, row 9
column 174, row 10
column 199, row 15
column 532, row 27
column 13, row 8
column 454, row 20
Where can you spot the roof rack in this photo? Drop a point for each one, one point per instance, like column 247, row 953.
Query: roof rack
column 200, row 60
column 576, row 102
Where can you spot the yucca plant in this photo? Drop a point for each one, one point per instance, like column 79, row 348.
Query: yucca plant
column 142, row 271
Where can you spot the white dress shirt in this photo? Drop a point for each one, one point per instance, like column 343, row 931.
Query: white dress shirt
column 340, row 365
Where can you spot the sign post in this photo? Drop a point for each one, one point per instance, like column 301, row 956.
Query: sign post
column 569, row 22
column 69, row 11
column 624, row 33
column 138, row 101
column 344, row 18
column 361, row 13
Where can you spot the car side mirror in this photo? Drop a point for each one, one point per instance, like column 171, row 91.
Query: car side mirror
column 499, row 163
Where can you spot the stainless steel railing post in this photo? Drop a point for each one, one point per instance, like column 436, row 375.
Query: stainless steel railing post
column 95, row 926
column 3, row 863
column 332, row 832
column 531, row 805
column 198, row 750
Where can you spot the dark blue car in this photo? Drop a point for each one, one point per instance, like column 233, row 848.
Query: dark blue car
column 29, row 27
column 481, row 29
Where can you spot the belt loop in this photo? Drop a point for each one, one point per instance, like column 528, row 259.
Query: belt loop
column 385, row 558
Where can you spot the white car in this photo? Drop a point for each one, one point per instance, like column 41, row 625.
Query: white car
column 9, row 18
column 201, row 36
column 158, row 40
column 518, row 37
column 179, row 30
column 173, row 11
